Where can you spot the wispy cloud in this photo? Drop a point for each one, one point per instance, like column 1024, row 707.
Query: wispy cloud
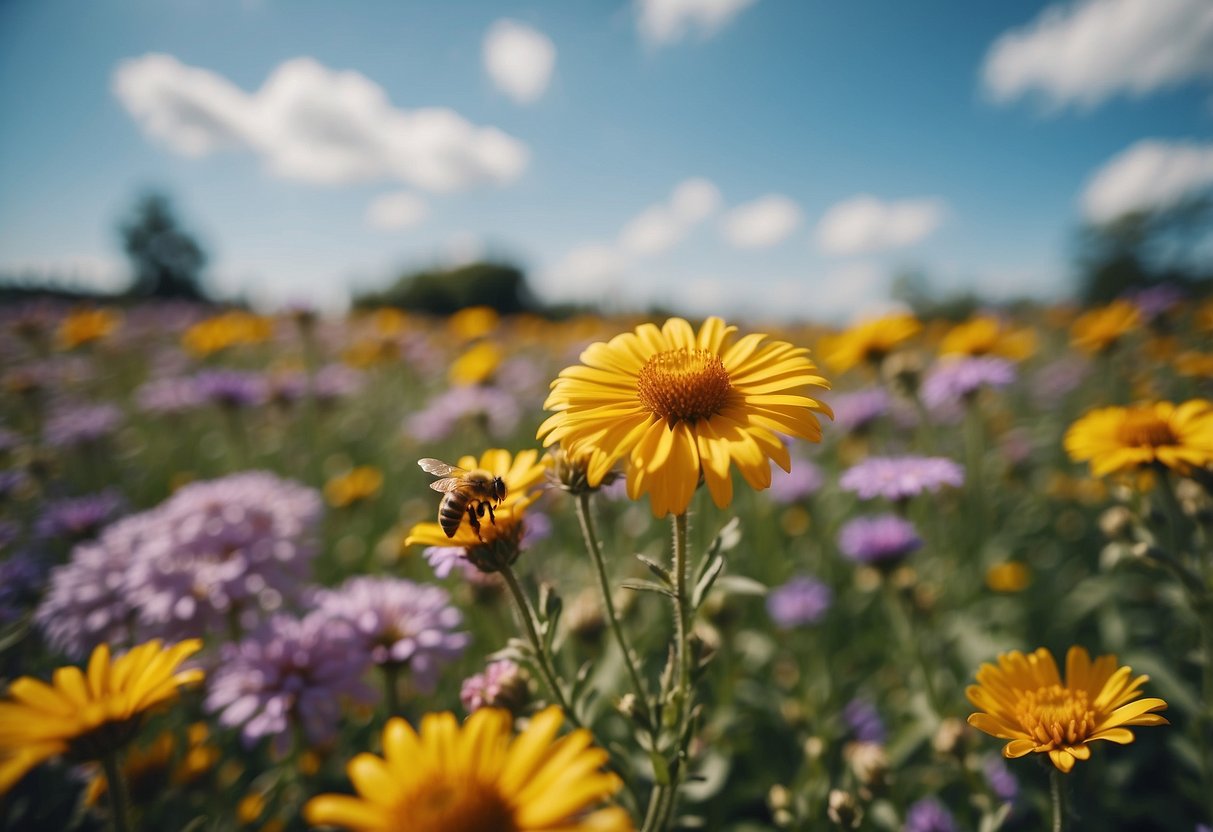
column 519, row 60
column 1085, row 52
column 1149, row 174
column 394, row 211
column 660, row 227
column 669, row 21
column 761, row 223
column 314, row 124
column 865, row 224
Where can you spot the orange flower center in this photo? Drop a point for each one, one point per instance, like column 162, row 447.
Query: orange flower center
column 1056, row 715
column 684, row 385
column 1142, row 428
column 448, row 805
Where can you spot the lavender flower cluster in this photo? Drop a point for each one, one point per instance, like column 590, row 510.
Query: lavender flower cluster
column 901, row 477
column 216, row 555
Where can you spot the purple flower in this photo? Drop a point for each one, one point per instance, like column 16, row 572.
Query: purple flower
column 501, row 685
column 336, row 381
column 901, row 477
column 77, row 518
column 82, row 424
column 856, row 411
column 929, row 815
column 9, row 440
column 495, row 408
column 1157, row 300
column 11, row 482
column 169, row 395
column 88, row 601
column 289, row 674
column 800, row 601
column 881, row 538
column 400, row 623
column 864, row 721
column 231, row 388
column 804, row 480
column 1003, row 783
column 1053, row 381
column 21, row 579
column 234, row 546
column 286, row 388
column 954, row 380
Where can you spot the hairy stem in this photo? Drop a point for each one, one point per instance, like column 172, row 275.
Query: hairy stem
column 526, row 612
column 604, row 586
column 115, row 787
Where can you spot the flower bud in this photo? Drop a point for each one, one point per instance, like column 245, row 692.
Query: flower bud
column 843, row 809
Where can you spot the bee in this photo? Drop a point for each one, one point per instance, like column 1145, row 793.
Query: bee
column 464, row 492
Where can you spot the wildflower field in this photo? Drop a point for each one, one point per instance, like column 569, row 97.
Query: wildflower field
column 914, row 575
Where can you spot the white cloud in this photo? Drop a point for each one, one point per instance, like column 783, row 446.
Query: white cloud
column 669, row 21
column 310, row 123
column 519, row 60
column 761, row 223
column 864, row 224
column 660, row 227
column 1150, row 174
column 1088, row 51
column 391, row 212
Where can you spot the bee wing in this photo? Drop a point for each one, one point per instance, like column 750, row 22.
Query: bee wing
column 439, row 468
column 446, row 484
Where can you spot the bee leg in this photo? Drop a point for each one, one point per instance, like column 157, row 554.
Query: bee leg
column 474, row 520
column 492, row 517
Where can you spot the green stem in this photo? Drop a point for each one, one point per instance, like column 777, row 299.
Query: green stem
column 115, row 787
column 391, row 695
column 1058, row 799
column 904, row 627
column 604, row 586
column 1206, row 724
column 527, row 613
column 974, row 453
column 668, row 796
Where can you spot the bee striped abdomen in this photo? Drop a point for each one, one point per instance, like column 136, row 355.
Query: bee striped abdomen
column 450, row 511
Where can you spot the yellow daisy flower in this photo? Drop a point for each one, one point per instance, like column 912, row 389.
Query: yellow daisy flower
column 447, row 778
column 472, row 322
column 1024, row 700
column 868, row 342
column 88, row 715
column 522, row 472
column 476, row 365
column 1100, row 329
column 226, row 330
column 354, row 486
column 85, row 326
column 1124, row 438
column 986, row 335
column 681, row 406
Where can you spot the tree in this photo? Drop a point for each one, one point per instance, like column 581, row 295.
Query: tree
column 443, row 291
column 166, row 259
column 1146, row 248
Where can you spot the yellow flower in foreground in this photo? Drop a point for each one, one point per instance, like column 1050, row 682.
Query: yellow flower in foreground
column 85, row 326
column 1099, row 329
column 88, row 715
column 1024, row 700
column 477, row 778
column 354, row 486
column 1124, row 438
column 681, row 406
column 986, row 335
column 868, row 342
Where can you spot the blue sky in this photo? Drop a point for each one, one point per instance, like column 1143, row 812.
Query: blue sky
column 827, row 145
